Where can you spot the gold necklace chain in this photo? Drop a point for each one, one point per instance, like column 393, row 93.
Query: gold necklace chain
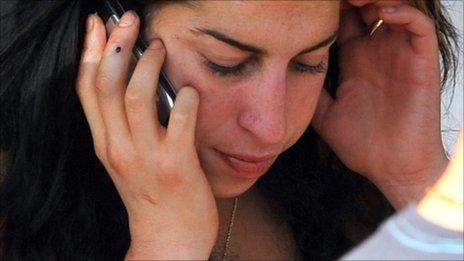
column 229, row 230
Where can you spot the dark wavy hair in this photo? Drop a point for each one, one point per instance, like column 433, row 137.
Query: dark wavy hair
column 56, row 199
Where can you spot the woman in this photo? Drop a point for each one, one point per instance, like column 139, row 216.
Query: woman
column 250, row 82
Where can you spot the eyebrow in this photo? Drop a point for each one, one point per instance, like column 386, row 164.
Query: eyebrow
column 254, row 49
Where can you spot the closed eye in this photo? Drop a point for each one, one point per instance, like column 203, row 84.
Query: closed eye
column 313, row 69
column 225, row 71
column 241, row 68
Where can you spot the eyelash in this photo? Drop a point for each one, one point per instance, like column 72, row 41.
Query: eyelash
column 304, row 68
column 236, row 70
column 225, row 71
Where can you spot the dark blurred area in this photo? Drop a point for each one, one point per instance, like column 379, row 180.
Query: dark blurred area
column 6, row 25
column 5, row 7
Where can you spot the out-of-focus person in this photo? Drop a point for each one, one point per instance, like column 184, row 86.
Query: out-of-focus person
column 429, row 230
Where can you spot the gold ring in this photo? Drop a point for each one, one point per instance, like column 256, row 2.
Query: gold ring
column 375, row 26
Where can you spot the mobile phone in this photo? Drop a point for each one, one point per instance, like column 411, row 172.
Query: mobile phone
column 111, row 12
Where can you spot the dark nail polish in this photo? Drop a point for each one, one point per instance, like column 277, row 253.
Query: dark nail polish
column 118, row 49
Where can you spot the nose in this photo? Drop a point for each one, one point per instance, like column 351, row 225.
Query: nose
column 263, row 114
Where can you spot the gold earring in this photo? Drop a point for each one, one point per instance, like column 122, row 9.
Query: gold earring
column 374, row 26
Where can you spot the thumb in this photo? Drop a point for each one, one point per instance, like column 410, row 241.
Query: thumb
column 319, row 117
column 182, row 121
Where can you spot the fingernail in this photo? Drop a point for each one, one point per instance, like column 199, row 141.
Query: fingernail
column 90, row 22
column 389, row 9
column 127, row 19
column 156, row 44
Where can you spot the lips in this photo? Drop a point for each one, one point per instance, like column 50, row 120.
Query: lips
column 248, row 166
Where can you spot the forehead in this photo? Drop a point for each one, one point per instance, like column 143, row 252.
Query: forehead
column 270, row 24
column 285, row 27
column 289, row 13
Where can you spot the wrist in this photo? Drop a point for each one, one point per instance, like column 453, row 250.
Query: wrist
column 151, row 240
column 412, row 186
column 165, row 250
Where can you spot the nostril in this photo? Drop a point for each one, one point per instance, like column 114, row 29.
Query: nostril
column 267, row 129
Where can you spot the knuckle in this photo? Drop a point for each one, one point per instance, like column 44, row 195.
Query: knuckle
column 100, row 153
column 83, row 86
column 429, row 22
column 169, row 172
column 90, row 55
column 164, row 166
column 103, row 83
column 118, row 157
column 429, row 26
column 84, row 82
column 134, row 101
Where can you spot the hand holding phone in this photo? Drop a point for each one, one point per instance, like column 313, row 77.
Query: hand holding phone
column 155, row 170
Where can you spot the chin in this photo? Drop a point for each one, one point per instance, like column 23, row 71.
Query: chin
column 227, row 188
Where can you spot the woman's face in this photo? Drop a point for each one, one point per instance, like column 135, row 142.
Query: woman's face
column 259, row 68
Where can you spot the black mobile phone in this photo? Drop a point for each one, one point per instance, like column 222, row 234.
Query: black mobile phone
column 111, row 12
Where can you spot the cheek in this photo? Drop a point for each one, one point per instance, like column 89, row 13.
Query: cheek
column 218, row 103
column 180, row 67
column 302, row 98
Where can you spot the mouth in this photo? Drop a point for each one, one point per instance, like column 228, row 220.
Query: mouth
column 248, row 166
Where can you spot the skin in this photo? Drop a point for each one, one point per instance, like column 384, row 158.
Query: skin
column 388, row 102
column 171, row 201
column 267, row 108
